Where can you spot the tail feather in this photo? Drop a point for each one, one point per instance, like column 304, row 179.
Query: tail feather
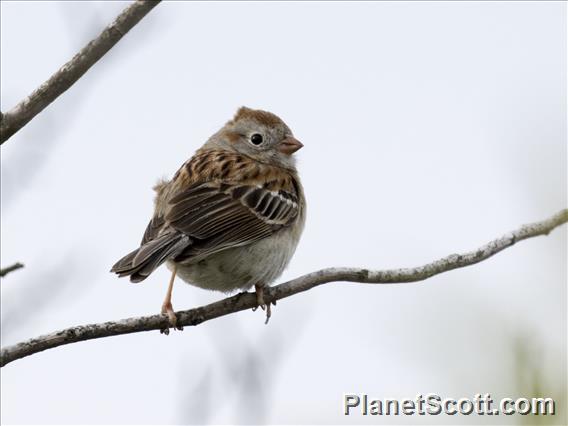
column 140, row 263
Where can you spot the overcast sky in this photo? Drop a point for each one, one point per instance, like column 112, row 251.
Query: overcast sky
column 429, row 129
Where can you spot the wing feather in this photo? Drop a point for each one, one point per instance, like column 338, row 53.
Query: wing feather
column 218, row 215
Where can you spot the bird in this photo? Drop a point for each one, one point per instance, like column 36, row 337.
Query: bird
column 232, row 215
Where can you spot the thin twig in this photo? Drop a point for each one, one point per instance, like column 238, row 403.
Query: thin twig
column 11, row 268
column 244, row 301
column 68, row 74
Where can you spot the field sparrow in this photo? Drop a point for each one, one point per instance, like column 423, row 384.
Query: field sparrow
column 232, row 215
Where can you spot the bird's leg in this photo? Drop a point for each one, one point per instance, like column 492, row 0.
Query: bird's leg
column 167, row 308
column 259, row 296
column 260, row 301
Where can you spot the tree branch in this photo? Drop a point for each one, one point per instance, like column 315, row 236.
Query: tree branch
column 11, row 268
column 68, row 74
column 244, row 301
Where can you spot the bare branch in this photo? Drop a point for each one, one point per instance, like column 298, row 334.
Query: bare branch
column 245, row 301
column 11, row 268
column 68, row 74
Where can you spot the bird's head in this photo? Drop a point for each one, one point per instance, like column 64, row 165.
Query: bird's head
column 260, row 135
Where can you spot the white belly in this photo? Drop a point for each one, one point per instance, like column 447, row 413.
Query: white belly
column 240, row 268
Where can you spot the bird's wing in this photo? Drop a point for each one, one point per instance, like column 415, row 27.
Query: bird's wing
column 219, row 215
column 202, row 210
column 153, row 229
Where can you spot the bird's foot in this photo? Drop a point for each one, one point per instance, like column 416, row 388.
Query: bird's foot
column 259, row 297
column 263, row 305
column 168, row 310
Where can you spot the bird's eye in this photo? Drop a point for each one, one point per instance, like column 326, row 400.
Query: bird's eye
column 256, row 139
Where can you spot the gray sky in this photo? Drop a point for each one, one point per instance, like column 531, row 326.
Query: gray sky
column 429, row 129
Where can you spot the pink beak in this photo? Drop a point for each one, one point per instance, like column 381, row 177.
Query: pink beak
column 289, row 145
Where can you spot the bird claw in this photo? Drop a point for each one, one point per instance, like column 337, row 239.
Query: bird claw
column 261, row 303
column 268, row 313
column 168, row 310
column 259, row 296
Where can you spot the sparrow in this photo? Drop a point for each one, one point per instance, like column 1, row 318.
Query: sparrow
column 231, row 216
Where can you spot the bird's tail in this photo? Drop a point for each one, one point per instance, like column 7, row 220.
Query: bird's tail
column 140, row 263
